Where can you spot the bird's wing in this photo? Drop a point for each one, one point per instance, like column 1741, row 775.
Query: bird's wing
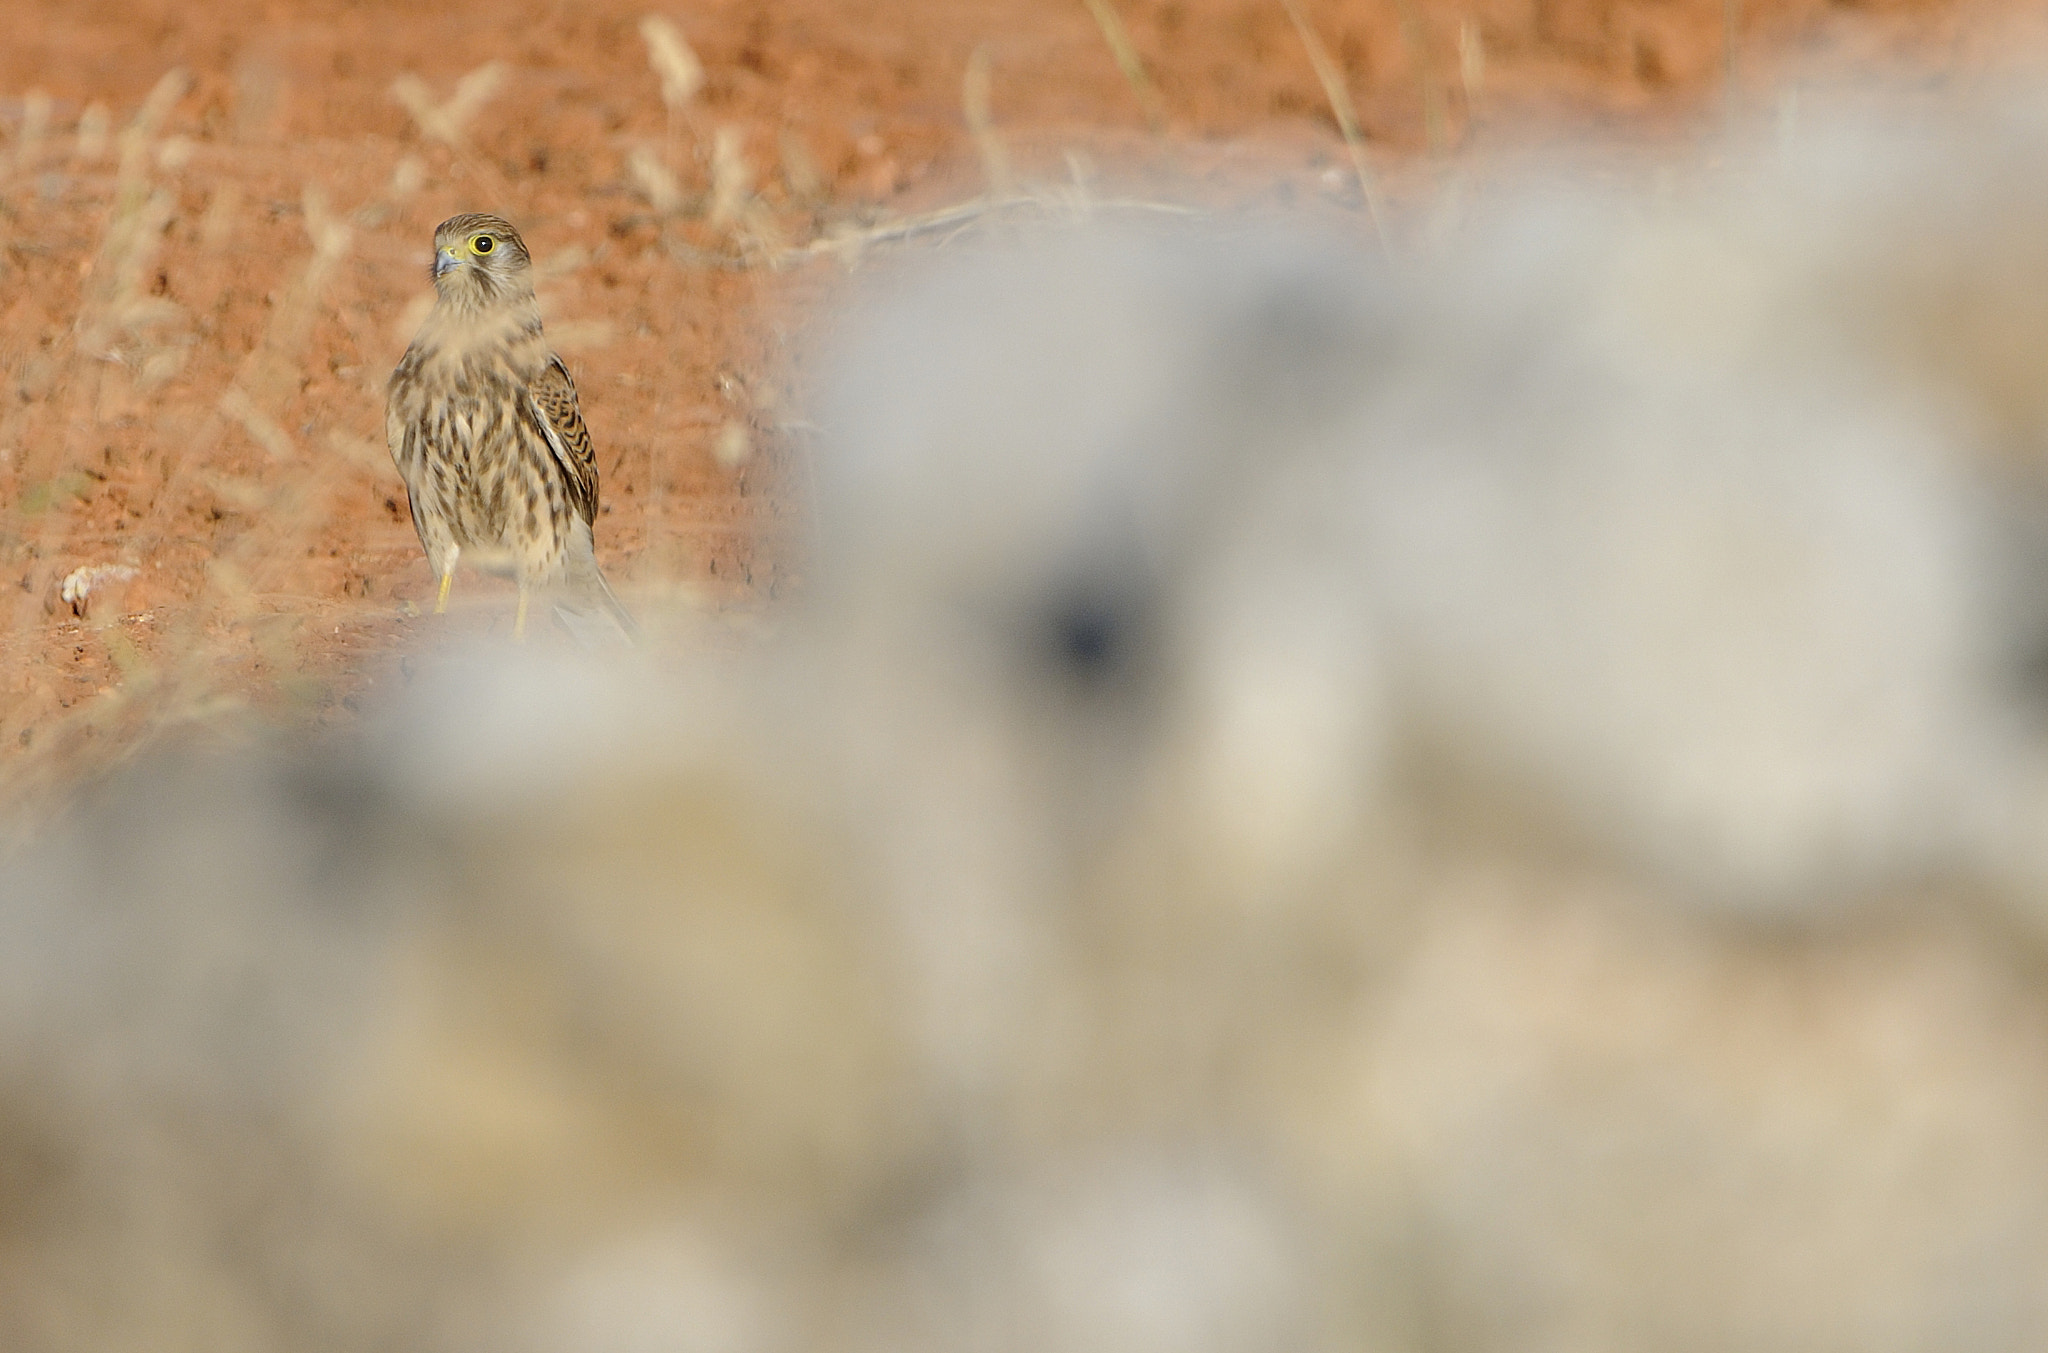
column 553, row 399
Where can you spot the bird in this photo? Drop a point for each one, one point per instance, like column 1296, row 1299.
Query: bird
column 483, row 423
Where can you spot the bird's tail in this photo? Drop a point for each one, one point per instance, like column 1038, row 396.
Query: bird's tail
column 586, row 605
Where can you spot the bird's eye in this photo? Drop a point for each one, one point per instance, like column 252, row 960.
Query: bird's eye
column 481, row 244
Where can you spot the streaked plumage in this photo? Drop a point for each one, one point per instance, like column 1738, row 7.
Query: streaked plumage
column 483, row 423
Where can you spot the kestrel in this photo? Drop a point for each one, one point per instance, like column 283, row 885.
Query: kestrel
column 483, row 423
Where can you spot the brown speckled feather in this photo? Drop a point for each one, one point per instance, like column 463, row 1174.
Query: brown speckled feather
column 554, row 394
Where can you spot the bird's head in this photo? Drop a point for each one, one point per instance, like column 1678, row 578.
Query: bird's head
column 480, row 259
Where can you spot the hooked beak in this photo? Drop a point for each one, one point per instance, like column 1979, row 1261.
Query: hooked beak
column 445, row 261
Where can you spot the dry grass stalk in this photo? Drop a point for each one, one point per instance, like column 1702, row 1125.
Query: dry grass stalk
column 732, row 179
column 1471, row 64
column 655, row 181
column 975, row 101
column 118, row 305
column 734, row 445
column 271, row 368
column 261, row 427
column 1347, row 117
column 1435, row 121
column 1129, row 62
column 735, row 206
column 681, row 73
column 140, row 135
column 445, row 120
column 1731, row 27
column 800, row 172
column 847, row 243
column 35, row 125
column 217, row 226
column 94, row 126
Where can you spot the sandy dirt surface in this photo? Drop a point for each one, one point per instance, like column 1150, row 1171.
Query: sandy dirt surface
column 214, row 225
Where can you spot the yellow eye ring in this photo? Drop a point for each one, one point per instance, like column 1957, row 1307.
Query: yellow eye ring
column 481, row 244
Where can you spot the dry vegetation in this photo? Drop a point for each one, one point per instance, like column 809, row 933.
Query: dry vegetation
column 200, row 320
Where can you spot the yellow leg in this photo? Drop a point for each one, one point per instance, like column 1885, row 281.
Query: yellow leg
column 519, row 618
column 441, row 602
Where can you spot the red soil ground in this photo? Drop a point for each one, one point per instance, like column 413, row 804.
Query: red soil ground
column 190, row 389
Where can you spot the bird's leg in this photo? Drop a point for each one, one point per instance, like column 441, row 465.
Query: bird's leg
column 519, row 617
column 447, row 578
